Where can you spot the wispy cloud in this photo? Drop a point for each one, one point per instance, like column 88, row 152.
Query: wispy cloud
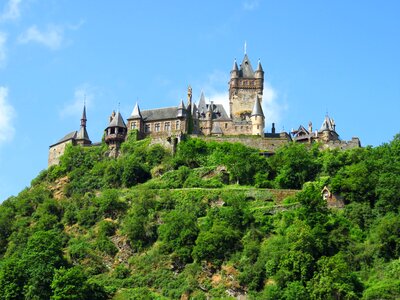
column 7, row 115
column 52, row 37
column 250, row 4
column 84, row 93
column 3, row 54
column 273, row 109
column 11, row 11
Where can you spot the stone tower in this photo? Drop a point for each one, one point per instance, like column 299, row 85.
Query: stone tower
column 115, row 134
column 257, row 119
column 245, row 86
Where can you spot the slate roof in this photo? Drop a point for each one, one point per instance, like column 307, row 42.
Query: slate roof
column 257, row 109
column 117, row 121
column 160, row 113
column 82, row 134
column 246, row 70
column 69, row 136
column 136, row 114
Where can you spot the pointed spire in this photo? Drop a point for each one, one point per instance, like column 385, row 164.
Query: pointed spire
column 259, row 67
column 181, row 110
column 136, row 112
column 328, row 124
column 82, row 134
column 257, row 109
column 246, row 70
column 202, row 103
column 181, row 105
column 235, row 66
column 83, row 119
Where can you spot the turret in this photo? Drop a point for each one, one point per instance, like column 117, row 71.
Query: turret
column 259, row 73
column 82, row 137
column 181, row 111
column 208, row 119
column 235, row 70
column 115, row 134
column 135, row 121
column 257, row 119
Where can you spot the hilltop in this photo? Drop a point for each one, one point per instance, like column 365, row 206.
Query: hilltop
column 214, row 220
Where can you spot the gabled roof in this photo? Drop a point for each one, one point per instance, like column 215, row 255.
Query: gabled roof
column 218, row 112
column 69, row 136
column 257, row 109
column 117, row 121
column 246, row 70
column 159, row 114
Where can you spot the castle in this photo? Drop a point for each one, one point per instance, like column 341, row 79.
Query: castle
column 244, row 122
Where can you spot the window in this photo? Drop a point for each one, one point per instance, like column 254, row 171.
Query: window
column 226, row 125
column 147, row 128
column 157, row 127
column 167, row 126
column 177, row 125
column 133, row 125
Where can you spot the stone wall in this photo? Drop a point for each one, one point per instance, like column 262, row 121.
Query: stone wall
column 55, row 152
column 258, row 142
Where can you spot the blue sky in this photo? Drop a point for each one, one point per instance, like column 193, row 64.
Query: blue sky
column 340, row 57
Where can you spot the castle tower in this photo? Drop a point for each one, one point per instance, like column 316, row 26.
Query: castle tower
column 245, row 86
column 257, row 119
column 82, row 137
column 328, row 130
column 181, row 115
column 135, row 121
column 208, row 118
column 115, row 134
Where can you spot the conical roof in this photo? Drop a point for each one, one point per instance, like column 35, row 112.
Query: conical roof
column 181, row 110
column 136, row 114
column 246, row 70
column 257, row 109
column 259, row 67
column 117, row 121
column 235, row 66
column 202, row 103
column 327, row 124
column 82, row 134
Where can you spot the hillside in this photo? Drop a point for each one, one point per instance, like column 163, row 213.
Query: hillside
column 214, row 221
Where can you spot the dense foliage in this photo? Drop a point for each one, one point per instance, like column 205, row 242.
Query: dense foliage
column 207, row 221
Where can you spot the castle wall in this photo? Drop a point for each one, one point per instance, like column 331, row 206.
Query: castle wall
column 258, row 142
column 55, row 152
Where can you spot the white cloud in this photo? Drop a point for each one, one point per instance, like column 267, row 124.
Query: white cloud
column 52, row 37
column 250, row 4
column 7, row 114
column 84, row 93
column 272, row 109
column 11, row 11
column 3, row 54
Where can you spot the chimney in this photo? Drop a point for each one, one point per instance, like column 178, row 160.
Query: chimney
column 273, row 128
